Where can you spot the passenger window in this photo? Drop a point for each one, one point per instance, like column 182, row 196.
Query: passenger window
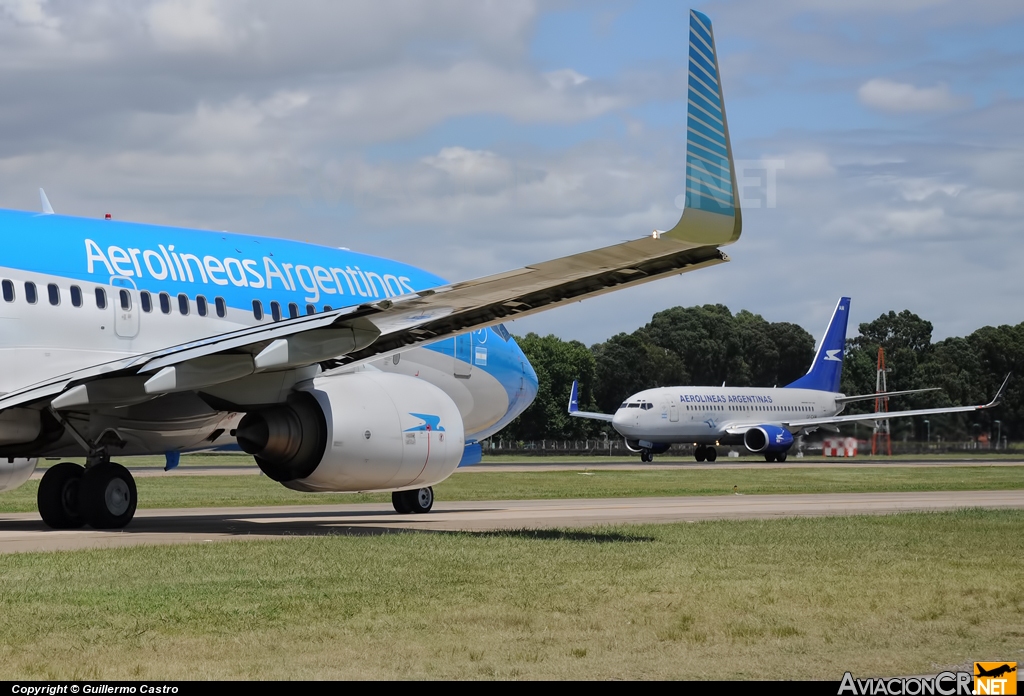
column 183, row 304
column 146, row 300
column 293, row 310
column 222, row 307
column 126, row 300
column 30, row 292
column 257, row 310
column 275, row 310
column 54, row 292
column 310, row 309
column 165, row 303
column 201, row 306
column 101, row 298
column 76, row 296
column 8, row 291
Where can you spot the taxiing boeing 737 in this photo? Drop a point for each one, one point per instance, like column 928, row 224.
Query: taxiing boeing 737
column 762, row 420
column 338, row 371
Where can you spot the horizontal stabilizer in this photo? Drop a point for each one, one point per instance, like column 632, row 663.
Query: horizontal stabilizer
column 574, row 406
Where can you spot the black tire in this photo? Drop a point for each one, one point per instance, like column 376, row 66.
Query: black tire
column 400, row 502
column 712, row 454
column 769, row 457
column 420, row 500
column 780, row 457
column 108, row 496
column 58, row 495
column 700, row 453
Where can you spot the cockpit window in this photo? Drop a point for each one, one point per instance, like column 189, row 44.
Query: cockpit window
column 624, row 404
column 634, row 406
column 503, row 332
column 647, row 407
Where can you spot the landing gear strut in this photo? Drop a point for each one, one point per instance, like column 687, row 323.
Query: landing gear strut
column 417, row 500
column 103, row 496
column 702, row 452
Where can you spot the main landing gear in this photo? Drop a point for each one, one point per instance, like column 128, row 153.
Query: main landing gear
column 775, row 457
column 646, row 455
column 417, row 500
column 702, row 452
column 102, row 496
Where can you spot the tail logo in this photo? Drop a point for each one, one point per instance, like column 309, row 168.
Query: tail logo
column 833, row 355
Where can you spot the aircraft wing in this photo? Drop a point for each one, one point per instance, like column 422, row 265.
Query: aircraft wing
column 862, row 417
column 361, row 333
column 350, row 336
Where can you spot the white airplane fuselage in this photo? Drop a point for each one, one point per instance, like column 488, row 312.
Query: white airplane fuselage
column 702, row 415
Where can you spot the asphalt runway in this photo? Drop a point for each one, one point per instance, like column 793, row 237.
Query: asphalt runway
column 21, row 532
column 611, row 464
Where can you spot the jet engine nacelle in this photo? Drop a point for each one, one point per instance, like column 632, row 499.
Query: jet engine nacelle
column 357, row 432
column 14, row 472
column 767, row 438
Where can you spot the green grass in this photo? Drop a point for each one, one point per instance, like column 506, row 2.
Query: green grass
column 223, row 491
column 781, row 599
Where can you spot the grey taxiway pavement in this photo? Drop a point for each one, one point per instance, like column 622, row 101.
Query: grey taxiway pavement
column 25, row 531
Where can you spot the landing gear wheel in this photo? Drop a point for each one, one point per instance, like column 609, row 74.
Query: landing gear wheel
column 700, row 453
column 398, row 500
column 58, row 495
column 108, row 496
column 646, row 456
column 712, row 454
column 419, row 500
column 780, row 457
column 769, row 457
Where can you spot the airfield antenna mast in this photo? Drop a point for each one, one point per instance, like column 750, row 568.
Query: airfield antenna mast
column 881, row 432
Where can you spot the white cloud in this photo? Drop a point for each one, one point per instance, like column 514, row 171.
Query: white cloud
column 898, row 97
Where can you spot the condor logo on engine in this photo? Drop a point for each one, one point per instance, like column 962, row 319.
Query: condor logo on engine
column 429, row 423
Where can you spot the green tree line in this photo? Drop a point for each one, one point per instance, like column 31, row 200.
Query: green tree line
column 710, row 346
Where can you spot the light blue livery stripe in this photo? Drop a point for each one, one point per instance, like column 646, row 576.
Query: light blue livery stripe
column 717, row 176
column 699, row 88
column 701, row 189
column 714, row 163
column 699, row 139
column 714, row 134
column 706, row 66
column 711, row 114
column 698, row 28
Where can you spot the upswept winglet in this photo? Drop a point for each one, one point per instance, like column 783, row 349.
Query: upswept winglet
column 999, row 394
column 712, row 209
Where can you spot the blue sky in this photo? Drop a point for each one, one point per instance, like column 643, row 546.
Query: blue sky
column 474, row 137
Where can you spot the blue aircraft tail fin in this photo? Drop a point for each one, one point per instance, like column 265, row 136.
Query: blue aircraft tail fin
column 574, row 397
column 711, row 210
column 827, row 367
